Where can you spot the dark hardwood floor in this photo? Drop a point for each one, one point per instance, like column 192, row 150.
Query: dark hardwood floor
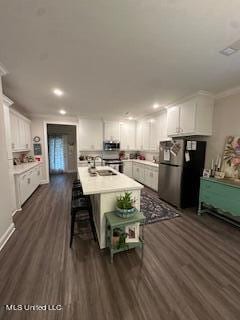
column 190, row 269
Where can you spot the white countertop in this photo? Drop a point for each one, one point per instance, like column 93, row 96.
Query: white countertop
column 146, row 162
column 106, row 184
column 21, row 168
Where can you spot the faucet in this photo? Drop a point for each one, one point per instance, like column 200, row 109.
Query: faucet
column 94, row 161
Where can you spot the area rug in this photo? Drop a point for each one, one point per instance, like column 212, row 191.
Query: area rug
column 155, row 209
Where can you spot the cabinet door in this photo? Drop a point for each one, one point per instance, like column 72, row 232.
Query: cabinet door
column 139, row 135
column 24, row 187
column 173, row 120
column 155, row 180
column 127, row 135
column 112, row 130
column 138, row 172
column 7, row 130
column 153, row 137
column 187, row 117
column 147, row 177
column 146, row 134
column 90, row 134
column 27, row 135
column 128, row 169
column 14, row 125
column 161, row 123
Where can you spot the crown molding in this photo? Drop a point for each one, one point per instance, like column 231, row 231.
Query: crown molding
column 3, row 70
column 8, row 102
column 227, row 93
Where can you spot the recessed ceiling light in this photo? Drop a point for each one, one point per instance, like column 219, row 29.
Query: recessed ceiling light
column 62, row 112
column 58, row 92
column 130, row 118
column 156, row 105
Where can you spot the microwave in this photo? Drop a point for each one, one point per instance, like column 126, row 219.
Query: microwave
column 111, row 145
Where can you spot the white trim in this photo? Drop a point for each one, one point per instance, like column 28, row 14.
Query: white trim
column 45, row 123
column 8, row 102
column 14, row 212
column 3, row 70
column 228, row 92
column 7, row 235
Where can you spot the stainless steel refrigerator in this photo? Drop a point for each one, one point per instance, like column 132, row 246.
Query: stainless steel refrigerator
column 181, row 164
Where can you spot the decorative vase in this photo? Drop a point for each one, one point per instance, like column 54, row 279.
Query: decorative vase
column 125, row 213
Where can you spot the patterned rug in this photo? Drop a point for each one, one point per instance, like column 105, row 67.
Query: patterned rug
column 155, row 209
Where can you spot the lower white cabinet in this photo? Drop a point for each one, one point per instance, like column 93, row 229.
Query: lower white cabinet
column 151, row 177
column 26, row 183
column 146, row 174
column 128, row 168
column 138, row 172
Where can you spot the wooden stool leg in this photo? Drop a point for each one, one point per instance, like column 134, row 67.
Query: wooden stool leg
column 72, row 228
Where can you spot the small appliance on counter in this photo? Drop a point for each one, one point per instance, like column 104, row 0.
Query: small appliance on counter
column 181, row 164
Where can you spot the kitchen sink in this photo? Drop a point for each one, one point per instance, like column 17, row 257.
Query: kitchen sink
column 106, row 173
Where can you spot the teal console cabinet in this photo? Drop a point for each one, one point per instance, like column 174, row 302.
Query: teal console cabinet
column 221, row 196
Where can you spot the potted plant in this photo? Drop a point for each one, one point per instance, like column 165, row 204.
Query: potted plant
column 125, row 205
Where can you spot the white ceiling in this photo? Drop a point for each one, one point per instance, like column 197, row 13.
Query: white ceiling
column 114, row 56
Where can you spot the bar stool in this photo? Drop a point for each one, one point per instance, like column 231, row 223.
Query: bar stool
column 81, row 210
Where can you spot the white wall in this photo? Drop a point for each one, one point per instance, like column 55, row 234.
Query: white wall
column 226, row 121
column 5, row 202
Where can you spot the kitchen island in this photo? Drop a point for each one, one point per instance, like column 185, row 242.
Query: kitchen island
column 103, row 191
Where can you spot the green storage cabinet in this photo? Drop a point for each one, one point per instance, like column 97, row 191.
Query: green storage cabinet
column 220, row 194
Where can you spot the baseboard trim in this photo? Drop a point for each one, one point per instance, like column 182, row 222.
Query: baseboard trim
column 7, row 235
column 44, row 182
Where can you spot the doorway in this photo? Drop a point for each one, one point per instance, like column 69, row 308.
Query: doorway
column 62, row 149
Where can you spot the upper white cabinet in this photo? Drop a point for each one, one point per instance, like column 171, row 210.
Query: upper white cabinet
column 191, row 117
column 112, row 130
column 128, row 135
column 90, row 134
column 6, row 104
column 173, row 120
column 20, row 132
column 143, row 134
column 139, row 135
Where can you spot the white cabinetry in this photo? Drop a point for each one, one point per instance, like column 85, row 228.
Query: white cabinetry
column 112, row 130
column 173, row 120
column 143, row 134
column 128, row 168
column 20, row 132
column 90, row 134
column 138, row 172
column 128, row 135
column 146, row 174
column 191, row 117
column 139, row 135
column 26, row 183
column 151, row 177
column 161, row 124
